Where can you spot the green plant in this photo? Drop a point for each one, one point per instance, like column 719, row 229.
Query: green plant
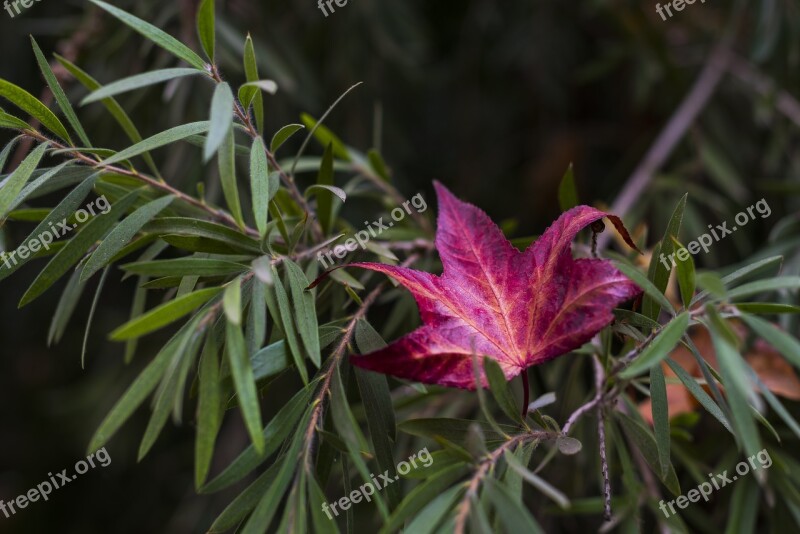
column 239, row 275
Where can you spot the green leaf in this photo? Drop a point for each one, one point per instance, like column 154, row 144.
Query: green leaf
column 699, row 393
column 251, row 74
column 205, row 27
column 420, row 496
column 209, row 411
column 160, row 139
column 325, row 137
column 227, row 173
column 221, row 118
column 767, row 308
column 640, row 280
column 304, row 310
column 500, row 390
column 763, row 286
column 245, row 384
column 713, row 284
column 567, row 192
column 171, row 385
column 12, row 122
column 643, row 440
column 660, row 411
column 735, row 377
column 256, row 318
column 284, row 422
column 185, row 267
column 324, row 199
column 137, row 82
column 100, row 286
column 283, row 135
column 111, row 105
column 248, row 91
column 378, row 165
column 207, row 229
column 659, row 348
column 377, row 400
column 75, row 249
column 783, row 342
column 260, row 184
column 430, row 518
column 39, row 184
column 162, row 39
column 686, row 276
column 537, row 482
column 232, row 516
column 270, row 501
column 232, row 302
column 122, row 234
column 745, row 272
column 58, row 93
column 660, row 273
column 30, row 105
column 14, row 184
column 63, row 210
column 511, row 513
column 164, row 314
column 317, row 499
column 288, row 325
column 144, row 384
column 66, row 307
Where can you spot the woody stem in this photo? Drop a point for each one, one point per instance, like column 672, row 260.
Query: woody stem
column 525, row 392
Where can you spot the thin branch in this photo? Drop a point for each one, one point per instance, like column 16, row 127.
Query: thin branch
column 599, row 376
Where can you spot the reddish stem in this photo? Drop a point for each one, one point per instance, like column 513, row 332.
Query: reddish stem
column 525, row 392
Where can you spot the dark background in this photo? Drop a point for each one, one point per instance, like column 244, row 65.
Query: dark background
column 495, row 99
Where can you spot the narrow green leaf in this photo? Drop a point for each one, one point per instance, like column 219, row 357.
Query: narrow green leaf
column 199, row 228
column 31, row 105
column 659, row 348
column 455, row 430
column 227, row 173
column 251, row 74
column 660, row 411
column 221, row 118
column 232, row 302
column 74, row 250
column 160, row 139
column 205, row 27
column 510, row 513
column 12, row 122
column 379, row 165
column 318, row 501
column 185, row 267
column 111, row 105
column 89, row 320
column 304, row 310
column 745, row 273
column 138, row 391
column 767, row 308
column 783, row 342
column 431, row 517
column 159, row 37
column 500, row 390
column 686, row 275
column 325, row 136
column 738, row 389
column 567, row 191
column 245, row 384
column 699, row 393
column 284, row 422
column 324, row 199
column 283, row 135
column 259, row 184
column 137, row 82
column 643, row 440
column 209, row 412
column 164, row 314
column 14, row 184
column 651, row 290
column 64, row 209
column 268, row 505
column 763, row 286
column 421, row 495
column 66, row 306
column 58, row 93
column 122, row 234
column 233, row 514
column 288, row 325
column 537, row 482
column 660, row 273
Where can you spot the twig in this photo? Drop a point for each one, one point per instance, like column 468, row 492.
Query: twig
column 691, row 106
column 599, row 375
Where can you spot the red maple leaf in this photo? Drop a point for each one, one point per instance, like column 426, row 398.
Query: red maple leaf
column 518, row 308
